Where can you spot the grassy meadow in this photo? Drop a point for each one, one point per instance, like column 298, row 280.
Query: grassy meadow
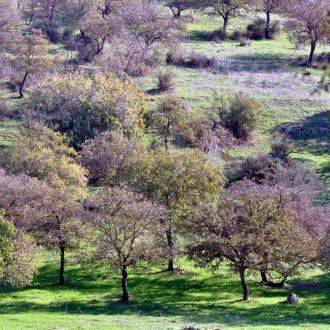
column 161, row 301
column 267, row 71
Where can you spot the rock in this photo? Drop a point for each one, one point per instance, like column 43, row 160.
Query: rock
column 190, row 327
column 292, row 299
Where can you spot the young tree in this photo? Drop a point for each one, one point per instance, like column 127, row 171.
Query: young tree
column 308, row 22
column 178, row 180
column 246, row 226
column 56, row 222
column 127, row 226
column 107, row 156
column 226, row 9
column 82, row 106
column 29, row 57
column 169, row 116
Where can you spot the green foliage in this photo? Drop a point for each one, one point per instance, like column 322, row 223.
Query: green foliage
column 168, row 117
column 82, row 106
column 6, row 242
column 238, row 113
column 42, row 153
column 177, row 179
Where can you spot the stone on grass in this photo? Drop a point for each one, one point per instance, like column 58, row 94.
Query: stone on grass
column 292, row 299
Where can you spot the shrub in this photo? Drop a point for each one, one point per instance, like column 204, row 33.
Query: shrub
column 83, row 106
column 239, row 114
column 191, row 60
column 215, row 35
column 238, row 34
column 256, row 30
column 165, row 81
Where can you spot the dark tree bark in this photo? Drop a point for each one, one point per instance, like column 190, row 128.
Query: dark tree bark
column 246, row 293
column 264, row 277
column 225, row 25
column 125, row 296
column 267, row 28
column 311, row 55
column 22, row 84
column 62, row 266
column 170, row 267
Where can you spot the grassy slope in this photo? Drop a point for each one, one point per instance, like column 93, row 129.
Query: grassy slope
column 266, row 71
column 161, row 301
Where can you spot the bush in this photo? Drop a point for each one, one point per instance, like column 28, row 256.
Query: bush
column 256, row 30
column 239, row 114
column 83, row 106
column 215, row 35
column 238, row 35
column 165, row 81
column 6, row 112
column 191, row 60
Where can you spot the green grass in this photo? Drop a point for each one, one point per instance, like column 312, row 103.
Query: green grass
column 162, row 301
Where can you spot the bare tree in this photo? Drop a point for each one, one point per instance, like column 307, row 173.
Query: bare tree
column 226, row 9
column 128, row 226
column 308, row 23
column 29, row 57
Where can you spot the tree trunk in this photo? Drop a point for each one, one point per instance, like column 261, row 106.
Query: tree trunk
column 224, row 27
column 170, row 267
column 62, row 278
column 246, row 293
column 22, row 84
column 311, row 55
column 267, row 28
column 125, row 296
column 264, row 277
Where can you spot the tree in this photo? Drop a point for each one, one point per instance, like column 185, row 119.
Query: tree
column 54, row 216
column 9, row 17
column 250, row 229
column 227, row 9
column 127, row 225
column 98, row 28
column 148, row 30
column 307, row 23
column 29, row 57
column 168, row 117
column 83, row 106
column 269, row 7
column 57, row 222
column 178, row 180
column 107, row 156
column 42, row 153
column 178, row 6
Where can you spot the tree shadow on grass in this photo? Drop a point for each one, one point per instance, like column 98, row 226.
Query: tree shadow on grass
column 312, row 134
column 202, row 299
